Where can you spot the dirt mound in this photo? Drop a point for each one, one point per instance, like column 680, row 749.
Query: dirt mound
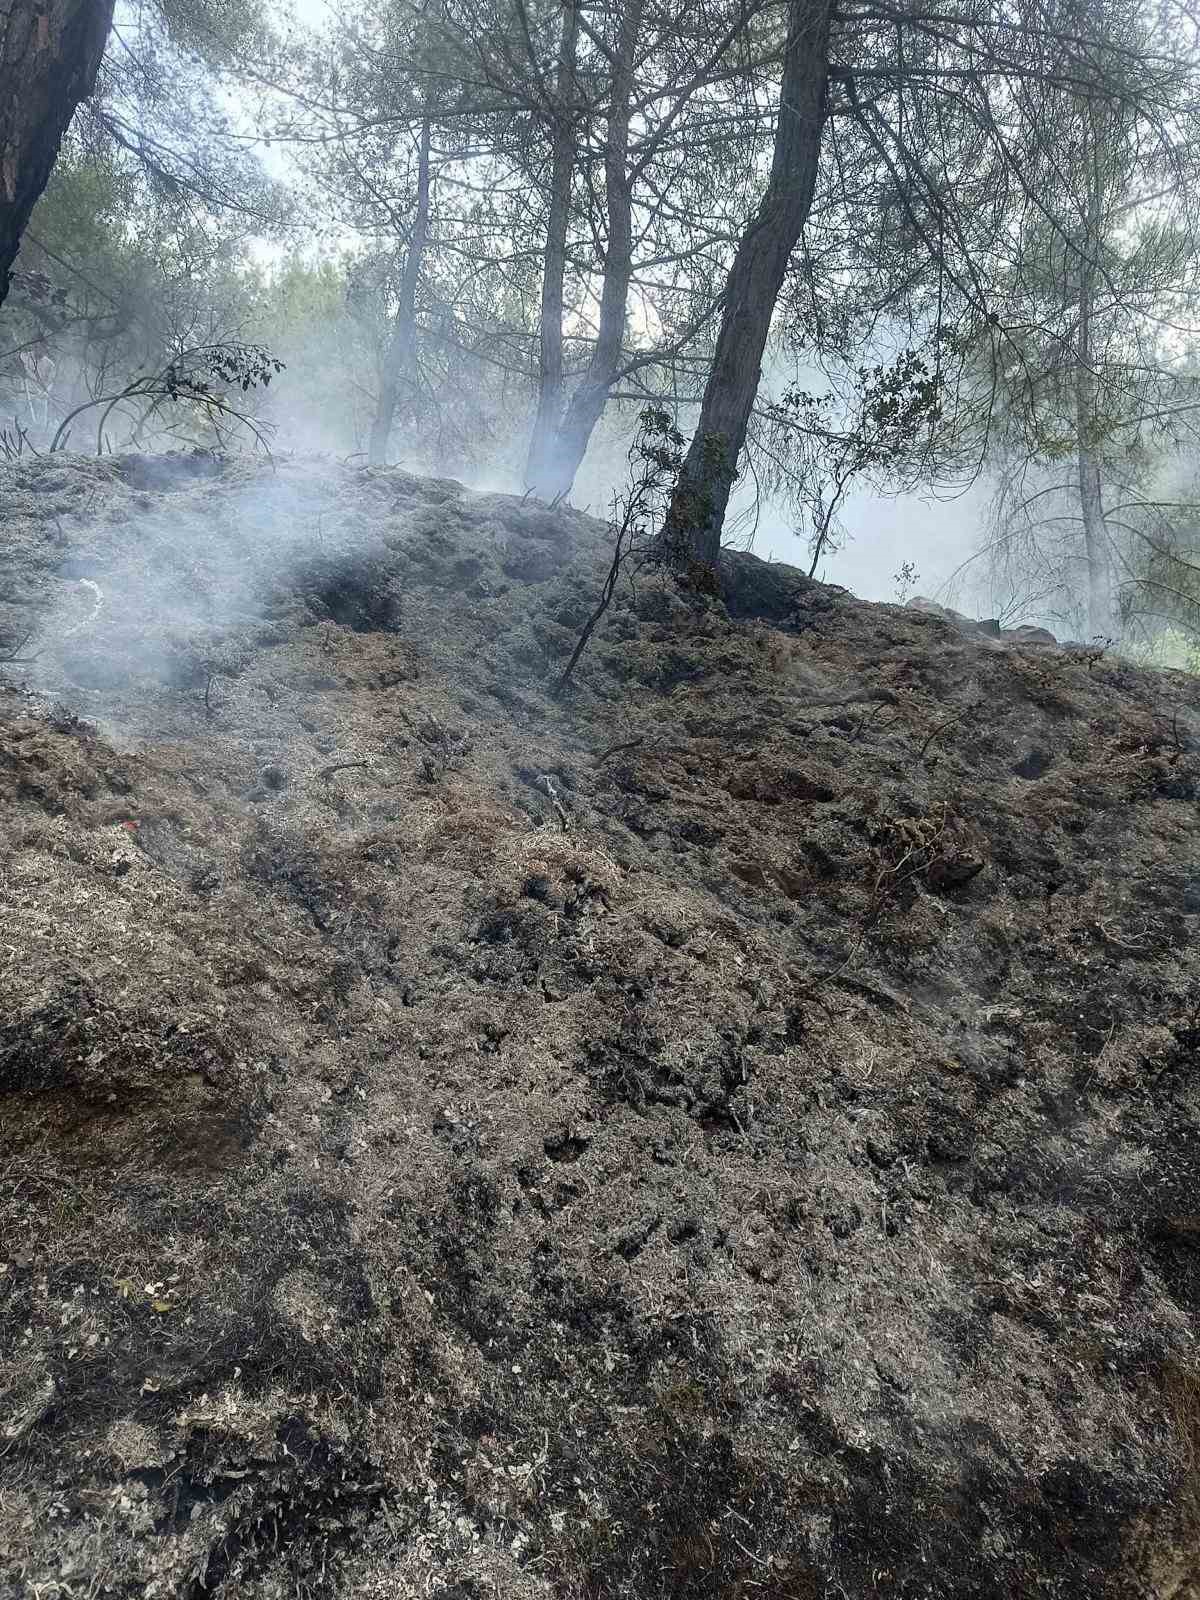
column 730, row 1131
column 1025, row 633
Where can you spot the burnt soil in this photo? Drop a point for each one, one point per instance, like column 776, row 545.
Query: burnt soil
column 728, row 1130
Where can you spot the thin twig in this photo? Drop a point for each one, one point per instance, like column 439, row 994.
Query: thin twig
column 942, row 727
column 547, row 783
column 828, row 973
column 867, row 719
column 615, row 749
column 655, row 458
column 16, row 657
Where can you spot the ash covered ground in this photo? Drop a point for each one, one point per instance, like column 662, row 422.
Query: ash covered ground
column 728, row 1130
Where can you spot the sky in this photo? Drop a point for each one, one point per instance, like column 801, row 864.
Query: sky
column 936, row 536
column 312, row 13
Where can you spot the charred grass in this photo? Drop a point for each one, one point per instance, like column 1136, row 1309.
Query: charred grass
column 703, row 1129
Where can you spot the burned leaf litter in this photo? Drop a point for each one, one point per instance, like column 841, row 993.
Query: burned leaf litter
column 730, row 1129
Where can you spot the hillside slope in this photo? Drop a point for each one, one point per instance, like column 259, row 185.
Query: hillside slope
column 731, row 1131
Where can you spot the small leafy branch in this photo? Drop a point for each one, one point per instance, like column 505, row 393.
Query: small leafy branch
column 655, row 460
column 905, row 580
column 884, row 430
column 207, row 376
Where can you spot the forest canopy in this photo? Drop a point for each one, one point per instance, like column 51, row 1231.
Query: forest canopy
column 858, row 248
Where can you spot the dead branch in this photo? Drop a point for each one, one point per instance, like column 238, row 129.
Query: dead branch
column 15, row 657
column 616, row 749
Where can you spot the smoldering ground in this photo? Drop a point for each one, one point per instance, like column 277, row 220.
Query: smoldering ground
column 728, row 1128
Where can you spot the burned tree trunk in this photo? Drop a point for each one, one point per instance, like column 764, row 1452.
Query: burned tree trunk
column 1097, row 547
column 399, row 359
column 550, row 350
column 563, row 454
column 50, row 52
column 692, row 528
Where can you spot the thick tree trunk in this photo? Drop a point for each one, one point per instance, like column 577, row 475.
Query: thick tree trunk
column 399, row 359
column 50, row 52
column 550, row 330
column 569, row 444
column 692, row 528
column 1102, row 622
column 1097, row 554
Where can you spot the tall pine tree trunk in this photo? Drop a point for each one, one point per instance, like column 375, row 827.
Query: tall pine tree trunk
column 569, row 443
column 1102, row 622
column 692, row 528
column 399, row 361
column 1097, row 554
column 50, row 53
column 550, row 328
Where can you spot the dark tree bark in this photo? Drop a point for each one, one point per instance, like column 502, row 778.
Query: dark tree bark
column 50, row 53
column 399, row 360
column 692, row 528
column 566, row 449
column 1097, row 547
column 550, row 345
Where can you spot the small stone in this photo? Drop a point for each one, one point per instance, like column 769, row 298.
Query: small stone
column 954, row 871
